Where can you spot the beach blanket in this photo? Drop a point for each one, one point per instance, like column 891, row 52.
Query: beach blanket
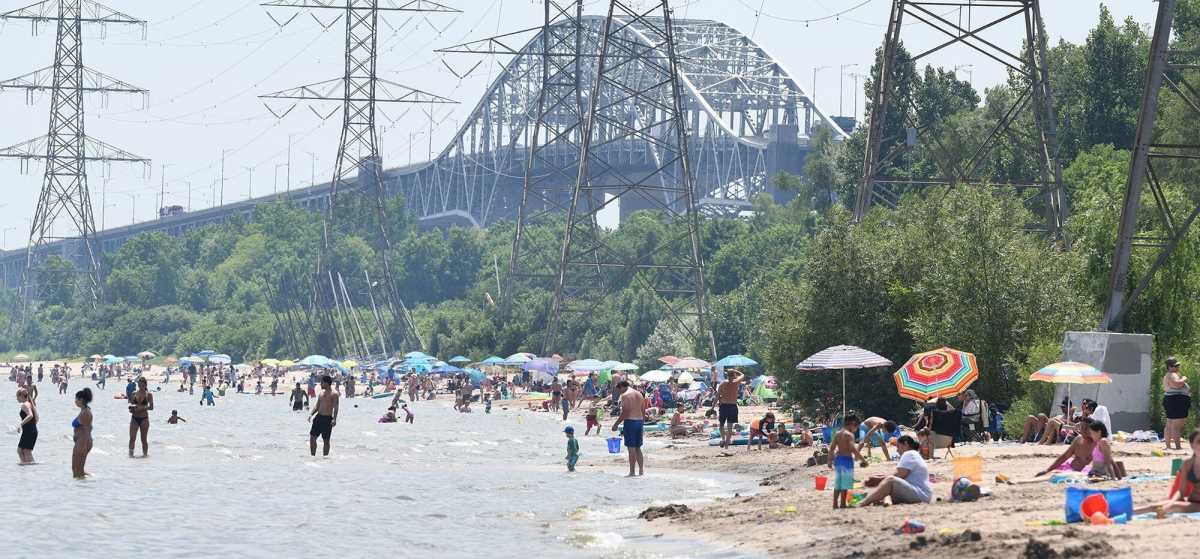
column 1152, row 516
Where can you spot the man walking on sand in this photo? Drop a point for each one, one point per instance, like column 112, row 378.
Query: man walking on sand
column 631, row 418
column 727, row 407
column 323, row 417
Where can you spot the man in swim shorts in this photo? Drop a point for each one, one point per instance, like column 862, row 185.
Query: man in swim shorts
column 727, row 408
column 299, row 398
column 631, row 420
column 323, row 417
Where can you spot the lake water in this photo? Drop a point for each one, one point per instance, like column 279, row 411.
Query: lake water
column 237, row 481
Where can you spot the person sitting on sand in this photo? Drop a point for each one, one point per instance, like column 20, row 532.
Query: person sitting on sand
column 390, row 416
column 1103, row 465
column 1053, row 433
column 1185, row 493
column 1080, row 454
column 783, row 436
column 910, row 483
column 175, row 418
column 678, row 428
column 1032, row 431
column 878, row 431
column 762, row 429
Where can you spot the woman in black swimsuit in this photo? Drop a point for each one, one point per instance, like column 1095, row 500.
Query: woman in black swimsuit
column 29, row 431
column 140, row 404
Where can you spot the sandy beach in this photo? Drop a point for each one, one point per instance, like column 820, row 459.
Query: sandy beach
column 788, row 517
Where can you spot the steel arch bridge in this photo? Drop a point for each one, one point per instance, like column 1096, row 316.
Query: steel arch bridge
column 748, row 120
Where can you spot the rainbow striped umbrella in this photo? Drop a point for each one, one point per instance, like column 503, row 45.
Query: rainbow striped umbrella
column 1071, row 372
column 940, row 373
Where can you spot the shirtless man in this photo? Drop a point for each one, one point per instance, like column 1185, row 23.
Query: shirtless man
column 632, row 404
column 727, row 408
column 299, row 398
column 323, row 417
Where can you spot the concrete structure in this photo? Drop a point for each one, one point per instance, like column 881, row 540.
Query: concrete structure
column 1128, row 358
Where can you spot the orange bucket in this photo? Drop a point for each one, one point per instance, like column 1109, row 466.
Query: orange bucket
column 820, row 482
column 1092, row 504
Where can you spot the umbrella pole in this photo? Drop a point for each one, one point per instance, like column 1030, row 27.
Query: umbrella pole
column 843, row 394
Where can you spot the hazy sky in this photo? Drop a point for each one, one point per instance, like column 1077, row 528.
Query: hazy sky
column 206, row 62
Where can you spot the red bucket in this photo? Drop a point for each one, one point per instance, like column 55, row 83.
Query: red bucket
column 820, row 482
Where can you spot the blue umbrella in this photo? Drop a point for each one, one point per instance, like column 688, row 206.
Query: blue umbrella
column 446, row 369
column 476, row 375
column 736, row 361
column 220, row 359
column 206, row 353
column 459, row 359
column 422, row 354
column 114, row 360
column 316, row 361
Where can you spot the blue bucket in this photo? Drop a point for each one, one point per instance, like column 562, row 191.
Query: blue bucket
column 614, row 445
column 1120, row 502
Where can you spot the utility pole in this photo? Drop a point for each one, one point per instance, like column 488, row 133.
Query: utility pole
column 287, row 185
column 223, row 152
column 132, row 208
column 162, row 188
column 813, row 93
column 312, row 181
column 250, row 183
column 66, row 148
column 842, row 88
column 189, row 198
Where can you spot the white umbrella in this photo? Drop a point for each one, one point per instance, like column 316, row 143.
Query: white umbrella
column 657, row 375
column 842, row 357
column 625, row 367
column 686, row 378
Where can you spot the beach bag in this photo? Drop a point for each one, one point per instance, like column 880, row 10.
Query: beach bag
column 1120, row 502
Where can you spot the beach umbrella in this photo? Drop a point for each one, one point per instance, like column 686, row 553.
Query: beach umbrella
column 220, row 359
column 842, row 357
column 1071, row 372
column 493, row 360
column 940, row 373
column 736, row 361
column 270, row 362
column 460, row 359
column 586, row 365
column 95, row 357
column 172, row 360
column 315, row 361
column 518, row 359
column 130, row 358
column 542, row 364
column 668, row 359
column 20, row 357
column 625, row 367
column 657, row 375
column 412, row 354
column 108, row 356
column 690, row 363
column 287, row 363
column 147, row 355
column 206, row 353
column 113, row 360
column 349, row 363
column 475, row 375
column 686, row 378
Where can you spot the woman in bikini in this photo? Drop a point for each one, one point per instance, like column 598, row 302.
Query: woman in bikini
column 1187, row 484
column 83, row 433
column 1080, row 454
column 140, row 404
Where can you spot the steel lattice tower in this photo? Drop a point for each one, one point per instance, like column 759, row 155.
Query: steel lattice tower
column 66, row 148
column 1153, row 156
column 359, row 90
column 1030, row 64
column 554, row 147
column 635, row 98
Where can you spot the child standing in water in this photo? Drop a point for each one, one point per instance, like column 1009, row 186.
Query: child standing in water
column 572, row 448
column 175, row 418
column 844, row 453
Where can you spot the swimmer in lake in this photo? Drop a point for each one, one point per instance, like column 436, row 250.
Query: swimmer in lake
column 323, row 417
column 175, row 418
